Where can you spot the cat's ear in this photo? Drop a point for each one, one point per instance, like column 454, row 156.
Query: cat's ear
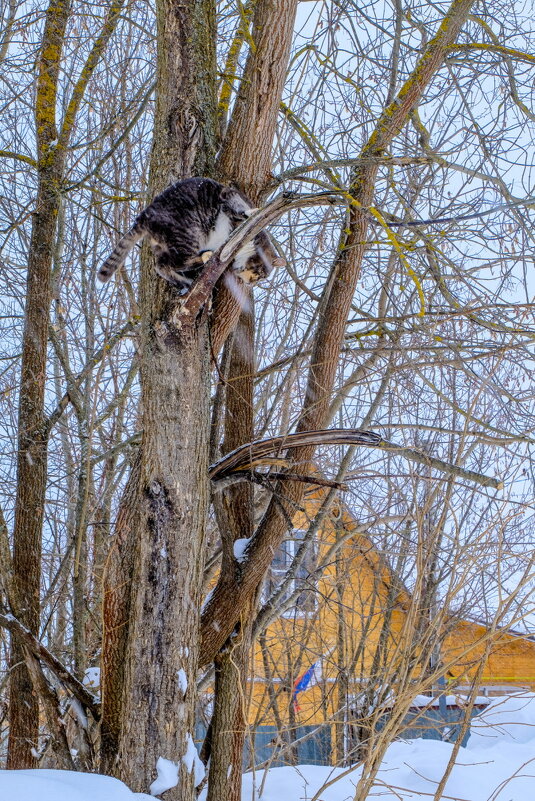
column 236, row 196
column 229, row 198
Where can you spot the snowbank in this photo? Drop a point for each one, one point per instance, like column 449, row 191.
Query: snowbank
column 509, row 719
column 410, row 771
column 497, row 765
column 63, row 785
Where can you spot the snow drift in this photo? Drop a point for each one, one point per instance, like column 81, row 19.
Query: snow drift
column 497, row 765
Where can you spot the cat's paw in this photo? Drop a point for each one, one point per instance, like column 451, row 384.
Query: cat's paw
column 206, row 255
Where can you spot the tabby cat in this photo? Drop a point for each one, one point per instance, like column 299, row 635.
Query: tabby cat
column 185, row 224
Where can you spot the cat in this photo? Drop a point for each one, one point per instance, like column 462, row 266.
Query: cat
column 186, row 223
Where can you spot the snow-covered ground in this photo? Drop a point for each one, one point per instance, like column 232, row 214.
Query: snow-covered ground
column 497, row 765
column 63, row 785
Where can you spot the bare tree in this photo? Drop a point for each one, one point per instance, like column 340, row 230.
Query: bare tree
column 153, row 585
column 52, row 142
column 385, row 361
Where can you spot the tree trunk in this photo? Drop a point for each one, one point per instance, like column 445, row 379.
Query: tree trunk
column 168, row 527
column 32, row 429
column 247, row 150
column 236, row 518
column 31, row 480
column 221, row 613
column 245, row 159
column 32, row 435
column 229, row 720
column 154, row 575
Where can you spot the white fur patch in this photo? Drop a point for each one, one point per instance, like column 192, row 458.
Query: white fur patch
column 245, row 253
column 219, row 233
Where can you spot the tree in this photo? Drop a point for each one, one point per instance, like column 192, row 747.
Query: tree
column 52, row 143
column 379, row 322
column 156, row 564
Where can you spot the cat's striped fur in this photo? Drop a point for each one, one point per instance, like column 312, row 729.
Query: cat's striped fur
column 185, row 224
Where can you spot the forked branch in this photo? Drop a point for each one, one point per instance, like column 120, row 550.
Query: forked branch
column 187, row 311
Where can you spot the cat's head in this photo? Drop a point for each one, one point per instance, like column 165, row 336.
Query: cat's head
column 257, row 260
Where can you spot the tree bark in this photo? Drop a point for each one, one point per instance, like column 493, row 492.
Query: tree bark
column 235, row 517
column 247, row 150
column 31, row 478
column 168, row 528
column 154, row 572
column 229, row 720
column 32, row 436
column 246, row 154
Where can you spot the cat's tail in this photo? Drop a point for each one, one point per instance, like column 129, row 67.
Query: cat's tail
column 120, row 252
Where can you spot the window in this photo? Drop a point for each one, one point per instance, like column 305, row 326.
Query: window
column 306, row 601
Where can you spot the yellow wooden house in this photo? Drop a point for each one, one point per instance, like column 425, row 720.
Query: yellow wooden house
column 352, row 639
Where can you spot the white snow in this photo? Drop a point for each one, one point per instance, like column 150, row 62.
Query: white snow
column 167, row 776
column 206, row 600
column 63, row 785
column 182, row 681
column 192, row 761
column 78, row 711
column 410, row 771
column 239, row 548
column 497, row 765
column 509, row 719
column 451, row 700
column 91, row 678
